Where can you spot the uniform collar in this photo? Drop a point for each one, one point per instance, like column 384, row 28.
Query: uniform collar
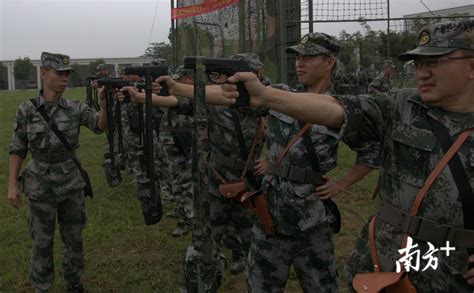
column 465, row 120
column 42, row 101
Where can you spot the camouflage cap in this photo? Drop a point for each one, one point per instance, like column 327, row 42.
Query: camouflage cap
column 159, row 62
column 313, row 44
column 253, row 59
column 443, row 38
column 58, row 62
column 181, row 71
column 389, row 63
column 101, row 66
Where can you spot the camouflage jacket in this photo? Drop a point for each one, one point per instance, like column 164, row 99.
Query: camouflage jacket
column 293, row 206
column 409, row 153
column 180, row 122
column 380, row 83
column 223, row 140
column 44, row 181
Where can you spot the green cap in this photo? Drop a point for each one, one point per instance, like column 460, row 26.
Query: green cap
column 181, row 71
column 58, row 62
column 443, row 38
column 389, row 63
column 313, row 44
column 253, row 60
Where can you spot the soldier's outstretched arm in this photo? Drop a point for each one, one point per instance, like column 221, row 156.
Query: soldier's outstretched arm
column 213, row 92
column 14, row 166
column 156, row 100
column 102, row 122
column 308, row 107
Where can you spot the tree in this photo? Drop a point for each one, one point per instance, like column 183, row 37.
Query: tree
column 22, row 69
column 93, row 65
column 75, row 76
column 2, row 71
column 2, row 76
column 159, row 50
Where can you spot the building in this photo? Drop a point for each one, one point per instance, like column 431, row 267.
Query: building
column 443, row 14
column 8, row 82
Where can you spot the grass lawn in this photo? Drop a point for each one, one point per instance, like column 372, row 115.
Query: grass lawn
column 122, row 254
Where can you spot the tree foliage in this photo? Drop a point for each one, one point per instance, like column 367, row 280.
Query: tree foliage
column 93, row 65
column 75, row 75
column 2, row 71
column 22, row 69
column 159, row 50
column 369, row 50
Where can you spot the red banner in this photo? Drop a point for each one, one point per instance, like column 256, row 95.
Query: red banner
column 205, row 7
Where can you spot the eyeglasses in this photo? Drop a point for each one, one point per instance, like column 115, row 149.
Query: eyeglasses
column 434, row 62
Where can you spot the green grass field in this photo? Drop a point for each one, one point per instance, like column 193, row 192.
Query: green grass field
column 122, row 254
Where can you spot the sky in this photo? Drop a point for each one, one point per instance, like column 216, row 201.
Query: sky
column 114, row 28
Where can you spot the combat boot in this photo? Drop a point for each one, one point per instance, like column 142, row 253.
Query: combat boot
column 181, row 229
column 238, row 262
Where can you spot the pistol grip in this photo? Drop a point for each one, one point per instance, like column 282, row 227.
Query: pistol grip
column 244, row 99
column 164, row 89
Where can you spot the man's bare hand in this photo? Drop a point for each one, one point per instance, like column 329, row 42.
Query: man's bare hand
column 173, row 86
column 469, row 275
column 329, row 189
column 253, row 85
column 132, row 92
column 14, row 199
column 260, row 166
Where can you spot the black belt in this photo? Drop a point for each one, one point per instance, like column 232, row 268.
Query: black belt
column 220, row 160
column 295, row 174
column 424, row 229
column 53, row 158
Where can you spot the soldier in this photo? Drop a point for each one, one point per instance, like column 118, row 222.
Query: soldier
column 176, row 139
column 161, row 164
column 303, row 223
column 229, row 221
column 381, row 84
column 415, row 133
column 53, row 179
column 132, row 127
column 102, row 71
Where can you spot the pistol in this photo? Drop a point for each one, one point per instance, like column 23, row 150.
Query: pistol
column 154, row 71
column 219, row 69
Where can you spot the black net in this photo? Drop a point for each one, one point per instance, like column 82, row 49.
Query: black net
column 248, row 26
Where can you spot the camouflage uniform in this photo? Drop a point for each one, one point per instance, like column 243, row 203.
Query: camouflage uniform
column 54, row 186
column 302, row 222
column 133, row 142
column 381, row 83
column 162, row 166
column 410, row 152
column 229, row 221
column 178, row 126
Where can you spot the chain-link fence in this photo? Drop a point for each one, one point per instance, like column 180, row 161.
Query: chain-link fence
column 267, row 27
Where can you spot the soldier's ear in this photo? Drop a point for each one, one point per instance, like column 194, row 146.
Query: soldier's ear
column 471, row 68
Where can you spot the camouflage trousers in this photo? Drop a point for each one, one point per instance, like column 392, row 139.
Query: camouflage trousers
column 231, row 223
column 440, row 280
column 310, row 252
column 162, row 166
column 71, row 217
column 133, row 145
column 198, row 271
column 180, row 178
